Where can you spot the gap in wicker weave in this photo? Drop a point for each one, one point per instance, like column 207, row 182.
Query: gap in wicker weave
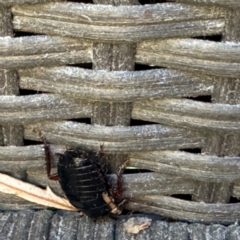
column 24, row 92
column 17, row 34
column 80, row 1
column 136, row 122
column 143, row 2
column 234, row 200
column 81, row 120
column 31, row 142
column 140, row 67
column 204, row 98
column 187, row 197
column 81, row 65
column 214, row 38
column 135, row 171
column 192, row 150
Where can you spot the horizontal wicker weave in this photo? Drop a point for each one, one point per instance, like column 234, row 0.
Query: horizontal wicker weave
column 152, row 117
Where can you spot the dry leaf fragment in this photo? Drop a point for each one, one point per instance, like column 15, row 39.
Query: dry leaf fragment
column 33, row 193
column 136, row 224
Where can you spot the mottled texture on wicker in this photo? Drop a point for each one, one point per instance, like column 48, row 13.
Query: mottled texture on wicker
column 173, row 124
column 46, row 224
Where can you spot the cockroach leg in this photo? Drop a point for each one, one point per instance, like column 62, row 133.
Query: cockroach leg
column 119, row 180
column 111, row 204
column 48, row 161
column 100, row 151
column 117, row 192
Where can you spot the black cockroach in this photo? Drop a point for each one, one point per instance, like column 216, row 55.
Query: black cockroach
column 83, row 179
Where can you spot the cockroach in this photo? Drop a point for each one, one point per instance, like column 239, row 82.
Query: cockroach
column 82, row 176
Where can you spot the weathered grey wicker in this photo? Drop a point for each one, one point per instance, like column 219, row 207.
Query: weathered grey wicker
column 46, row 224
column 168, row 36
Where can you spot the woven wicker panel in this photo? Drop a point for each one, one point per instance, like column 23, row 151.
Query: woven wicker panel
column 146, row 81
column 46, row 224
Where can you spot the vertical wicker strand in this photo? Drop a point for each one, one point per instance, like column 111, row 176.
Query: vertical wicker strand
column 226, row 91
column 113, row 57
column 9, row 134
